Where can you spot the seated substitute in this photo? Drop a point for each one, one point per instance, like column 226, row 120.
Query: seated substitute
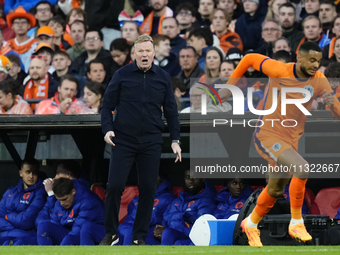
column 231, row 199
column 197, row 199
column 21, row 204
column 71, row 212
column 67, row 169
column 163, row 198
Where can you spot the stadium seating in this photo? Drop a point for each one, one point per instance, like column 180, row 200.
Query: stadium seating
column 99, row 190
column 309, row 198
column 327, row 202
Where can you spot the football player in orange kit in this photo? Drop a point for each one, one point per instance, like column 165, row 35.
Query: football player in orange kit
column 278, row 144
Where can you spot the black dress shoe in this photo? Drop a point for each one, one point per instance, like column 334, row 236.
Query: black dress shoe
column 138, row 242
column 110, row 240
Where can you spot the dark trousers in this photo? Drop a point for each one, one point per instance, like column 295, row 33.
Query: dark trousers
column 147, row 159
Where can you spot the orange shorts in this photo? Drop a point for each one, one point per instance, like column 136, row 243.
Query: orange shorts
column 270, row 148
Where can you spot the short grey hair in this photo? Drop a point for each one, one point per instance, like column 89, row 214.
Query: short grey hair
column 143, row 38
column 274, row 21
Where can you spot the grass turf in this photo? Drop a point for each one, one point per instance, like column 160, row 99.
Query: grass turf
column 149, row 250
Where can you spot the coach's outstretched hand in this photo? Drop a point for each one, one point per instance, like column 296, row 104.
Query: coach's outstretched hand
column 177, row 150
column 328, row 98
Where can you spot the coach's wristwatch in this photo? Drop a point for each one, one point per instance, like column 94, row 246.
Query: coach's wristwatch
column 176, row 141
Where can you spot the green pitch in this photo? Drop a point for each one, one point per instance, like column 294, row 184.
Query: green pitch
column 149, row 250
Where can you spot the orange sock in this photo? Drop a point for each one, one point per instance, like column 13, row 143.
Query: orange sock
column 297, row 193
column 264, row 204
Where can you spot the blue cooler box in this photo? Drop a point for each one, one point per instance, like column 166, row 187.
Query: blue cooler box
column 221, row 232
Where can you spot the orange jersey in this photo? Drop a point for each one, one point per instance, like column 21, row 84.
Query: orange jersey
column 283, row 76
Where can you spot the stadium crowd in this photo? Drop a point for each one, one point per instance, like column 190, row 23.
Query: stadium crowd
column 64, row 53
column 58, row 57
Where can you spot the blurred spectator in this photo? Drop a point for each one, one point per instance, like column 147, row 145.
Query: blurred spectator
column 336, row 51
column 201, row 39
column 130, row 31
column 328, row 50
column 94, row 50
column 313, row 32
column 227, row 68
column 311, row 8
column 58, row 25
column 178, row 219
column 142, row 5
column 97, row 72
column 248, row 25
column 179, row 90
column 152, row 24
column 170, row 27
column 235, row 55
column 72, row 212
column 205, row 10
column 186, row 16
column 62, row 99
column 120, row 51
column 281, row 44
column 324, row 63
column 213, row 62
column 21, row 22
column 230, row 6
column 43, row 12
column 40, row 85
column 327, row 15
column 103, row 15
column 76, row 14
column 93, row 96
column 196, row 97
column 163, row 198
column 45, row 35
column 72, row 16
column 273, row 9
column 188, row 58
column 7, row 31
column 163, row 57
column 271, row 31
column 6, row 50
column 332, row 73
column 45, row 50
column 77, row 32
column 61, row 63
column 290, row 29
column 67, row 5
column 100, row 15
column 10, row 102
column 132, row 54
column 21, row 204
column 16, row 72
column 11, row 6
column 231, row 199
column 220, row 22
